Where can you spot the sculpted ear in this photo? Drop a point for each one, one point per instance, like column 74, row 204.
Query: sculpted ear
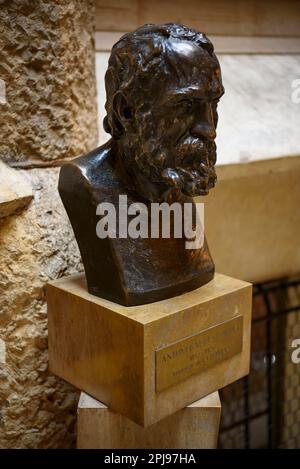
column 122, row 113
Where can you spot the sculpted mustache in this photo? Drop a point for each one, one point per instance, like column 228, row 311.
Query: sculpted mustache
column 204, row 172
column 197, row 154
column 190, row 140
column 204, row 176
column 198, row 146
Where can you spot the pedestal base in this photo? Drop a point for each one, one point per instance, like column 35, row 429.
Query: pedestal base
column 148, row 361
column 195, row 426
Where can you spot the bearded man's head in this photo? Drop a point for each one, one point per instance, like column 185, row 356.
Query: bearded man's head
column 163, row 84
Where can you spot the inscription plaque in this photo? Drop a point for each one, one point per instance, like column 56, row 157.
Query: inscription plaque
column 197, row 353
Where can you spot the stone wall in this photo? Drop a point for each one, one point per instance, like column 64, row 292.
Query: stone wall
column 37, row 409
column 47, row 48
column 47, row 114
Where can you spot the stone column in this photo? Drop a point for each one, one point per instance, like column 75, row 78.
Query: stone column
column 47, row 115
column 47, row 66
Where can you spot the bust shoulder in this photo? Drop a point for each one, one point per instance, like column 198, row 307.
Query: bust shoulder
column 97, row 161
column 95, row 168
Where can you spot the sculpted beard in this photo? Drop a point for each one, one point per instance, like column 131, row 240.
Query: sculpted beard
column 195, row 160
column 188, row 166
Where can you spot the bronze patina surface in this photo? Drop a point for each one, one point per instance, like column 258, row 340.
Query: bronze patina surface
column 163, row 84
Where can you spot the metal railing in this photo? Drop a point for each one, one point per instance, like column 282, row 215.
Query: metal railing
column 263, row 409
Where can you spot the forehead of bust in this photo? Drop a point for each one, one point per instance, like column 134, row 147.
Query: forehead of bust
column 188, row 67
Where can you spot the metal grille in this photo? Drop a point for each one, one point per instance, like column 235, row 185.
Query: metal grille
column 263, row 409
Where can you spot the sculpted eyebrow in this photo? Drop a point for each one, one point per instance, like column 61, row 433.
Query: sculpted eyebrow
column 192, row 94
column 186, row 95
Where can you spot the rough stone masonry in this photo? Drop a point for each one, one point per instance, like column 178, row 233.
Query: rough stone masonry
column 47, row 114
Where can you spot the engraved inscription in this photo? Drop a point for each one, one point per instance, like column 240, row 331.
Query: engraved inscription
column 197, row 353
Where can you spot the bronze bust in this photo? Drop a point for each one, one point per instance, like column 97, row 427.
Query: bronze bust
column 163, row 84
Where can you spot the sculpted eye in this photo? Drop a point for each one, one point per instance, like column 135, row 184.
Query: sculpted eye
column 185, row 105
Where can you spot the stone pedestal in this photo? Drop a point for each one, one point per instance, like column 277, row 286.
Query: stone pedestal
column 147, row 362
column 195, row 426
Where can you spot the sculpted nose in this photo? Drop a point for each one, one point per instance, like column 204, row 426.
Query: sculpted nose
column 203, row 125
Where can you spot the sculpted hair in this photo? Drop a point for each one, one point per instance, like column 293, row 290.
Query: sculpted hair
column 136, row 62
